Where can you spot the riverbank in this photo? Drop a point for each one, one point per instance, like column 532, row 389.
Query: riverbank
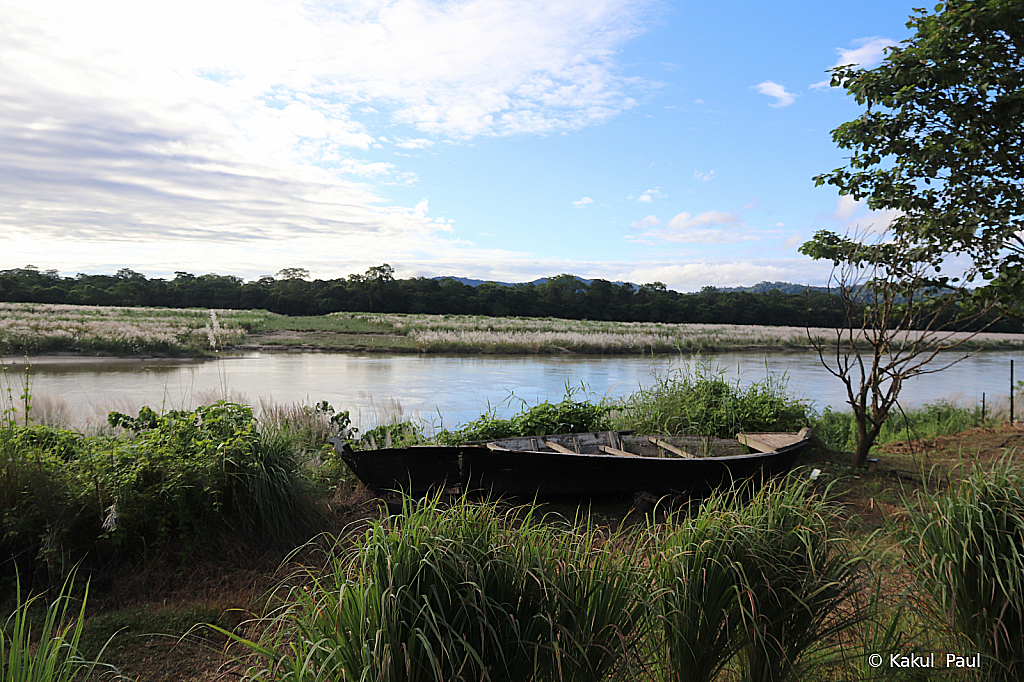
column 152, row 613
column 40, row 329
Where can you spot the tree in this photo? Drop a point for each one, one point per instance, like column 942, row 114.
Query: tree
column 941, row 143
column 940, row 146
column 892, row 325
column 293, row 273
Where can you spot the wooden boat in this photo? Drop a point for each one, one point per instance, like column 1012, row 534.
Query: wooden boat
column 599, row 463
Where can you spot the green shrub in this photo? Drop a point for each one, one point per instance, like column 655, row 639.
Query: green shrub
column 838, row 430
column 759, row 582
column 966, row 546
column 184, row 476
column 393, row 434
column 701, row 402
column 567, row 416
column 469, row 592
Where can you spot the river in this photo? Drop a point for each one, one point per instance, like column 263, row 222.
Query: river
column 438, row 389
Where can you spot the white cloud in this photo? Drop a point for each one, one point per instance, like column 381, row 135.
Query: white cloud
column 417, row 143
column 783, row 98
column 649, row 221
column 582, row 202
column 867, row 54
column 145, row 134
column 704, row 177
column 684, row 221
column 710, row 227
column 855, row 217
column 649, row 195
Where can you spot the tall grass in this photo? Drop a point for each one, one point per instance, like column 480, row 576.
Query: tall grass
column 754, row 585
column 51, row 654
column 700, row 401
column 966, row 545
column 467, row 592
column 838, row 430
column 42, row 328
column 758, row 583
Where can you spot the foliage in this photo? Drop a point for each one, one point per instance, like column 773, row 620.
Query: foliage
column 566, row 416
column 760, row 581
column 966, row 545
column 700, row 401
column 52, row 654
column 941, row 142
column 377, row 292
column 837, row 430
column 182, row 476
column 467, row 592
column 396, row 433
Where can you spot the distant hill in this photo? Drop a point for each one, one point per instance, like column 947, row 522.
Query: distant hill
column 468, row 281
column 783, row 287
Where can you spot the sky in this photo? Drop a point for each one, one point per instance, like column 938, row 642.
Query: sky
column 629, row 140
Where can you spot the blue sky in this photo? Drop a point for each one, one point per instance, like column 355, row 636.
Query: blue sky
column 497, row 139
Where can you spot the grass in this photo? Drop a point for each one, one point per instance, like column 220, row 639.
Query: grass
column 42, row 328
column 339, row 323
column 700, row 401
column 838, row 430
column 755, row 584
column 480, row 591
column 32, row 328
column 50, row 654
column 462, row 592
column 966, row 545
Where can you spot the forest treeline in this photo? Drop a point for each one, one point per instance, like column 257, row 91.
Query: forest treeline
column 377, row 290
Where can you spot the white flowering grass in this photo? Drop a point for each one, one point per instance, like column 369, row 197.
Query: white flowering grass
column 538, row 335
column 38, row 328
column 477, row 333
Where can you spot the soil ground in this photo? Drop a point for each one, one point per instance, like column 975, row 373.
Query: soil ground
column 150, row 610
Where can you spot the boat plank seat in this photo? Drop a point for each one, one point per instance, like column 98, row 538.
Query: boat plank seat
column 559, row 448
column 768, row 442
column 668, row 446
column 609, row 450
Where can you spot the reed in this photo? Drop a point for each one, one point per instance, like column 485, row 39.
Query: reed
column 41, row 328
column 466, row 592
column 966, row 545
column 838, row 430
column 757, row 582
column 700, row 401
column 51, row 654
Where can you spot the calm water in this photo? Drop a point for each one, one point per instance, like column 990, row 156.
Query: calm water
column 436, row 388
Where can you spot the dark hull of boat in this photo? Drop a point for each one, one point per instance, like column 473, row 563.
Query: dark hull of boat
column 421, row 469
column 414, row 471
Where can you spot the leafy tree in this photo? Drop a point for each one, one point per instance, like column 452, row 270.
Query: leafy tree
column 293, row 273
column 941, row 143
column 940, row 146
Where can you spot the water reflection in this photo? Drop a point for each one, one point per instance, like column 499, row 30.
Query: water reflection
column 449, row 388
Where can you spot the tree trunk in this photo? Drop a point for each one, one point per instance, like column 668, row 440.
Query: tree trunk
column 865, row 437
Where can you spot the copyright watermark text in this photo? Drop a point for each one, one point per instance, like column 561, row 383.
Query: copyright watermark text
column 934, row 660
